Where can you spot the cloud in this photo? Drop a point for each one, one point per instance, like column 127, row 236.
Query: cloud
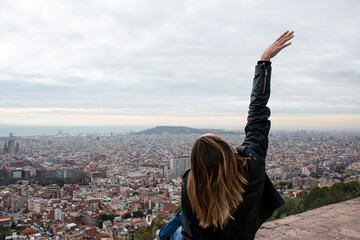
column 177, row 57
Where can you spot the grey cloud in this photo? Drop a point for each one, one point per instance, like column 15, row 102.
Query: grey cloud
column 178, row 56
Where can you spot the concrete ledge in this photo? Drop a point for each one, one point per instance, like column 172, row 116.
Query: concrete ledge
column 335, row 221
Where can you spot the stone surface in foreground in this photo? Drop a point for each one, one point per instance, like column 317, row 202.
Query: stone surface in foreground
column 335, row 221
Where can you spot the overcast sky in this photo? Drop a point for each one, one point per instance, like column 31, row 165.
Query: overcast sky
column 120, row 63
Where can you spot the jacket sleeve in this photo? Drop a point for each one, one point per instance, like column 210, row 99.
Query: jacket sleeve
column 258, row 123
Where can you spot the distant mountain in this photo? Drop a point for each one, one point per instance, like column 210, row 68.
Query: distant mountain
column 181, row 130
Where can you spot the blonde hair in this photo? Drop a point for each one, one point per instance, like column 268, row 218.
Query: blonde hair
column 216, row 181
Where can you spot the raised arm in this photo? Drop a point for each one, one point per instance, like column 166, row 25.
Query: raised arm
column 258, row 124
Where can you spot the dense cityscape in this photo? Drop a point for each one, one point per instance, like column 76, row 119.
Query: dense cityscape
column 68, row 186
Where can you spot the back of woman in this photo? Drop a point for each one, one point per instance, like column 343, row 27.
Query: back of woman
column 258, row 204
column 227, row 194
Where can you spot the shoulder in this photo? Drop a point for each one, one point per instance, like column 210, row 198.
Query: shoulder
column 184, row 178
column 240, row 150
column 247, row 152
column 185, row 174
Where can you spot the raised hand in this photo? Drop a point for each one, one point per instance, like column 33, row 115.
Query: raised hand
column 277, row 46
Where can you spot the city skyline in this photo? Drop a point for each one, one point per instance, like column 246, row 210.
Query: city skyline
column 177, row 63
column 68, row 186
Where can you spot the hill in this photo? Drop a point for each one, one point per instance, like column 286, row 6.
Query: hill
column 181, row 130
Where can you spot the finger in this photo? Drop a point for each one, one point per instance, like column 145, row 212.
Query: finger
column 284, row 40
column 284, row 46
column 287, row 35
column 282, row 35
column 290, row 35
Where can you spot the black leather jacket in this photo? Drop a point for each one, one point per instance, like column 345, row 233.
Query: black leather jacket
column 261, row 198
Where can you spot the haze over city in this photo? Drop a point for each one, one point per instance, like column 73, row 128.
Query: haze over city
column 184, row 63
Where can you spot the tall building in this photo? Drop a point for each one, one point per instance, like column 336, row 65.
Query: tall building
column 179, row 165
column 11, row 146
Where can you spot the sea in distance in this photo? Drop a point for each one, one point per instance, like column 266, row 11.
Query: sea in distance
column 25, row 130
column 19, row 130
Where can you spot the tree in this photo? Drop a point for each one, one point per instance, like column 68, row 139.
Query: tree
column 157, row 223
column 4, row 232
column 317, row 197
column 138, row 214
column 291, row 206
column 105, row 217
column 177, row 209
column 25, row 211
column 126, row 215
column 143, row 233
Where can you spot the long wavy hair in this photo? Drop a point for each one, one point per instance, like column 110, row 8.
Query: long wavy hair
column 216, row 181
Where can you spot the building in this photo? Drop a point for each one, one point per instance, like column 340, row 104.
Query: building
column 11, row 146
column 179, row 165
column 6, row 221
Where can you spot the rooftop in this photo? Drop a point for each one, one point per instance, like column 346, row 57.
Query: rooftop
column 335, row 221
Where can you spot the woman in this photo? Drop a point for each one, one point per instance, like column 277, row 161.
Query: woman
column 227, row 194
